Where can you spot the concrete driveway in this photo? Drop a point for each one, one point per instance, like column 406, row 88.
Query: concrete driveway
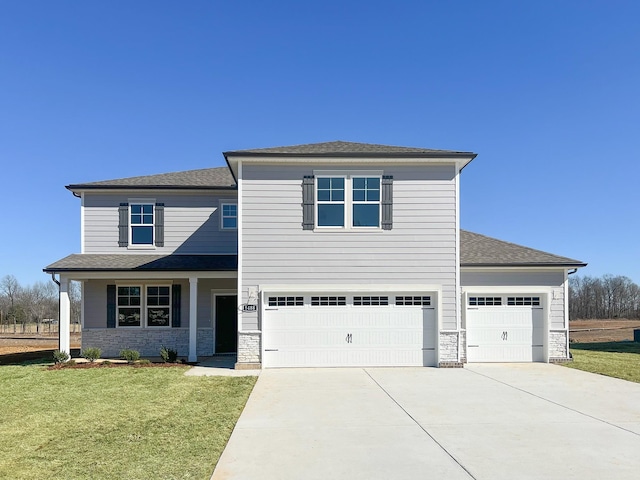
column 486, row 421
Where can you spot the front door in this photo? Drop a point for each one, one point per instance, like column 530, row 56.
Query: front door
column 226, row 318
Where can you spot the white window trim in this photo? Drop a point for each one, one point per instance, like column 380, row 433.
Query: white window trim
column 146, row 306
column 348, row 203
column 222, row 216
column 142, row 201
column 144, row 318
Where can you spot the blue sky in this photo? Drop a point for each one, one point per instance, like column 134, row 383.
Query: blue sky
column 546, row 92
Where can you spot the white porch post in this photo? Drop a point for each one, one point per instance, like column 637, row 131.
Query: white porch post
column 193, row 318
column 64, row 323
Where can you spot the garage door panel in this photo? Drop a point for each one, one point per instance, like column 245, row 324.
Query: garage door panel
column 505, row 333
column 350, row 335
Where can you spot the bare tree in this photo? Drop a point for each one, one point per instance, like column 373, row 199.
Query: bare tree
column 10, row 288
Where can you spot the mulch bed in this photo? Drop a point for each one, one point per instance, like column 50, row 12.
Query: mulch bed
column 107, row 364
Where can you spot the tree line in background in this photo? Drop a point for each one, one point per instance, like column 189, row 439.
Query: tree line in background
column 608, row 296
column 37, row 304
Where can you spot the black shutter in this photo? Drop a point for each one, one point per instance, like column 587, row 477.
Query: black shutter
column 175, row 306
column 159, row 225
column 387, row 202
column 308, row 207
column 123, row 225
column 111, row 306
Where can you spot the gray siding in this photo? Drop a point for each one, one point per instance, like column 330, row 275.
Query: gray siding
column 419, row 249
column 191, row 223
column 554, row 279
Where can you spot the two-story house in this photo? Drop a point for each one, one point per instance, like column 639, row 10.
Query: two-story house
column 329, row 254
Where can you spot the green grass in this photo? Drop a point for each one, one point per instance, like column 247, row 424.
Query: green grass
column 614, row 359
column 106, row 423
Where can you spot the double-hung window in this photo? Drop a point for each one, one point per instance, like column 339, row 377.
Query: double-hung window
column 229, row 216
column 129, row 306
column 366, row 201
column 158, row 306
column 350, row 201
column 141, row 223
column 331, row 201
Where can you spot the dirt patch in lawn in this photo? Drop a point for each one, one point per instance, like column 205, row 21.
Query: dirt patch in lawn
column 18, row 348
column 589, row 331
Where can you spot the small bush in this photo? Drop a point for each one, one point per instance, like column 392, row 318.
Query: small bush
column 91, row 354
column 60, row 357
column 144, row 361
column 168, row 355
column 130, row 355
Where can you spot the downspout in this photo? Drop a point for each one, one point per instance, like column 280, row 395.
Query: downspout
column 53, row 277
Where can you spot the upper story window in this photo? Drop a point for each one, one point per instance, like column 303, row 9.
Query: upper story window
column 366, row 201
column 350, row 201
column 141, row 223
column 330, row 194
column 229, row 212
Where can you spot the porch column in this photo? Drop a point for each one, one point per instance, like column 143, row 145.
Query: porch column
column 193, row 318
column 64, row 322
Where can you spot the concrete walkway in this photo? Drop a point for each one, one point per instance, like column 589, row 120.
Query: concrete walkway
column 487, row 421
column 219, row 366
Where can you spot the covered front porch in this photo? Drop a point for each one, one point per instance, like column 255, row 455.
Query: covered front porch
column 152, row 303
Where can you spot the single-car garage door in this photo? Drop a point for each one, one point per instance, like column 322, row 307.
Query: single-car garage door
column 348, row 330
column 505, row 328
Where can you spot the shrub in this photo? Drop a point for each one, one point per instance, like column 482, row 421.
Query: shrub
column 60, row 357
column 168, row 355
column 144, row 361
column 91, row 353
column 130, row 355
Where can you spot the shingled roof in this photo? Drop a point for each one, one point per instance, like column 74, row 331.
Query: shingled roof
column 141, row 262
column 340, row 148
column 205, row 178
column 481, row 251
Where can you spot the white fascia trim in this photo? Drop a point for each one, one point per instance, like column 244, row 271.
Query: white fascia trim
column 528, row 289
column 349, row 288
column 460, row 162
column 239, row 240
column 82, row 222
column 512, row 269
column 147, row 275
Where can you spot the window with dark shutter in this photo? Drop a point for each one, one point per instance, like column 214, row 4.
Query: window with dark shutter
column 175, row 305
column 123, row 225
column 159, row 225
column 308, row 195
column 111, row 306
column 387, row 202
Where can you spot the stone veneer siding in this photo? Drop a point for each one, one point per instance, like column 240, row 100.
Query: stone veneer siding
column 463, row 346
column 249, row 347
column 147, row 341
column 558, row 344
column 449, row 349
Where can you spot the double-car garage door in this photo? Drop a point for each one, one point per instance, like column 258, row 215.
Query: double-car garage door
column 505, row 328
column 334, row 330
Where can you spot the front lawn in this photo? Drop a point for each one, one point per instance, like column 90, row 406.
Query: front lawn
column 614, row 359
column 106, row 423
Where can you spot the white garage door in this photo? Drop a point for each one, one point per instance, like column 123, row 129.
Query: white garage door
column 348, row 330
column 505, row 329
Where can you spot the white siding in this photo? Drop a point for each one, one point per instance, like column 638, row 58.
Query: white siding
column 419, row 249
column 191, row 223
column 552, row 279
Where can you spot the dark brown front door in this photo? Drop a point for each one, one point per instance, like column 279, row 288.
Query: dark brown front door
column 226, row 309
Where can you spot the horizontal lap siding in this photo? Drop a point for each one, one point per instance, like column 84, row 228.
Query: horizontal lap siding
column 419, row 249
column 191, row 224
